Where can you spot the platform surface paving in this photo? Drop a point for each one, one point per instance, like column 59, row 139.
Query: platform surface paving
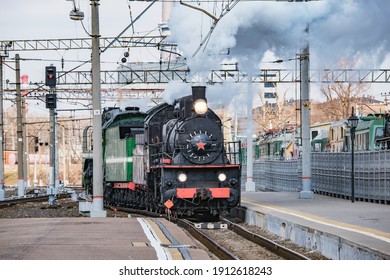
column 364, row 223
column 88, row 239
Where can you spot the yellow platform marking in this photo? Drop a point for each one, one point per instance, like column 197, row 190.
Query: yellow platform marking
column 139, row 244
column 384, row 236
column 174, row 252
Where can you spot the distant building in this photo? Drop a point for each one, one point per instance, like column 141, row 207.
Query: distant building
column 270, row 92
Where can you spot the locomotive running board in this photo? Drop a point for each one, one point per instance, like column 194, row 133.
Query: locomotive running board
column 211, row 225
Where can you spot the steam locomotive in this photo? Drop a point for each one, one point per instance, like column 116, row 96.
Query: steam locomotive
column 172, row 158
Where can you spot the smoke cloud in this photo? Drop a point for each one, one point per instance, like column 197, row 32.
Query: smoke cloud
column 355, row 30
column 253, row 33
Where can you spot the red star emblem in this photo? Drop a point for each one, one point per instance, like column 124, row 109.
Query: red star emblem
column 200, row 145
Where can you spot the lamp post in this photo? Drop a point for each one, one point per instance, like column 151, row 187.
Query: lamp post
column 353, row 123
column 97, row 203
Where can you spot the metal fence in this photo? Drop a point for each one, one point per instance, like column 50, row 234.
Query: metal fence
column 331, row 175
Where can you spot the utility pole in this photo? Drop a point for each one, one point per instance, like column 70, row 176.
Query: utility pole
column 2, row 191
column 19, row 128
column 97, row 197
column 305, row 116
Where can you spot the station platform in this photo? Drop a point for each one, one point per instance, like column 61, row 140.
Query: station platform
column 87, row 238
column 336, row 228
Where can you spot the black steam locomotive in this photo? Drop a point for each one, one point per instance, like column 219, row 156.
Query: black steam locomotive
column 172, row 158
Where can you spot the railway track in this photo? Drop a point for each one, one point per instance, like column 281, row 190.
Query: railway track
column 236, row 242
column 210, row 243
column 10, row 202
column 219, row 241
column 264, row 242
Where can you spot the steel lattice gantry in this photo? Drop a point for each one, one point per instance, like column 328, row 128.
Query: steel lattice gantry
column 316, row 76
column 135, row 76
column 81, row 43
column 123, row 77
column 150, row 83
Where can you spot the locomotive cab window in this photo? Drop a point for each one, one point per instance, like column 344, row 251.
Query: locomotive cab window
column 128, row 131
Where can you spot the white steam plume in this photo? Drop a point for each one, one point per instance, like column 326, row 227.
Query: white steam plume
column 338, row 29
column 353, row 30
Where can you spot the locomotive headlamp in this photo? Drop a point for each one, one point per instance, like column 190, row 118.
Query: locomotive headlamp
column 182, row 177
column 222, row 177
column 200, row 106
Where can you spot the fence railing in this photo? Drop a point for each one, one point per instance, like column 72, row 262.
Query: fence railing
column 331, row 175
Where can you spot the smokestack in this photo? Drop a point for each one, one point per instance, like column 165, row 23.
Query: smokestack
column 199, row 92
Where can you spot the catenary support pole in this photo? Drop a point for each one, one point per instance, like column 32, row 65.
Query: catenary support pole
column 26, row 162
column 65, row 156
column 97, row 197
column 56, row 155
column 305, row 111
column 51, row 189
column 249, row 185
column 2, row 190
column 19, row 128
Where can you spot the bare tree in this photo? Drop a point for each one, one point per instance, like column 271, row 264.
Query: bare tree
column 340, row 96
column 274, row 115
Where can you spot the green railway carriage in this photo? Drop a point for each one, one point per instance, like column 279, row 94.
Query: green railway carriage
column 369, row 129
column 119, row 131
column 372, row 133
column 319, row 142
column 87, row 163
column 118, row 156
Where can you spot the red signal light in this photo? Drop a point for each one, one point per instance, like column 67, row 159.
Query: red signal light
column 50, row 76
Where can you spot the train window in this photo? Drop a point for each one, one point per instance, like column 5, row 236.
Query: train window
column 269, row 95
column 269, row 85
column 379, row 132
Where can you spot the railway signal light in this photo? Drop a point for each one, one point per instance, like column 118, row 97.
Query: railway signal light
column 51, row 101
column 36, row 140
column 50, row 78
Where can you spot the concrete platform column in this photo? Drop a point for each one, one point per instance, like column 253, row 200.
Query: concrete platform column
column 97, row 208
column 306, row 192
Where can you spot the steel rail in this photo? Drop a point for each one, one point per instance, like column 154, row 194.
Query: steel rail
column 213, row 246
column 265, row 242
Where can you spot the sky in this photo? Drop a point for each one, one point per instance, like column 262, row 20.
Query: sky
column 254, row 32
